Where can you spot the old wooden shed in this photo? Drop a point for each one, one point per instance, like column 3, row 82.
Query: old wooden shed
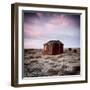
column 53, row 47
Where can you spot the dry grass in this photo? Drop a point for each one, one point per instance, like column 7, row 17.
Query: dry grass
column 36, row 64
column 52, row 72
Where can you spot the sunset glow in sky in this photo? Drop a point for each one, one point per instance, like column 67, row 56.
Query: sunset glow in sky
column 40, row 27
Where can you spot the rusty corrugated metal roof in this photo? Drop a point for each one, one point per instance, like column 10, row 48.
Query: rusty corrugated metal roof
column 53, row 41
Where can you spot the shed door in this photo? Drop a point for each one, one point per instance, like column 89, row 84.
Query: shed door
column 55, row 48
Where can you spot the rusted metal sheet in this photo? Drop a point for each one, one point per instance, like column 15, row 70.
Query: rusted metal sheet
column 53, row 47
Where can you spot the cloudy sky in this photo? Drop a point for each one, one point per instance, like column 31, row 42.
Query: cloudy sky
column 40, row 27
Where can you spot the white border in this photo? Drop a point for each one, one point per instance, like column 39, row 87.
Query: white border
column 53, row 78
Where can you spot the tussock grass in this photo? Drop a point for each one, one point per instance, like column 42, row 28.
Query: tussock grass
column 36, row 64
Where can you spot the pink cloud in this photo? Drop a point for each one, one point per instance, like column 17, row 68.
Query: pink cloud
column 60, row 20
column 28, row 43
column 48, row 27
column 39, row 14
column 32, row 31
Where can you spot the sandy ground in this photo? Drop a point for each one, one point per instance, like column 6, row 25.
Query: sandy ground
column 36, row 64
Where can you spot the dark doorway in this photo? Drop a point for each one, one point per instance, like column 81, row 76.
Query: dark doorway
column 55, row 48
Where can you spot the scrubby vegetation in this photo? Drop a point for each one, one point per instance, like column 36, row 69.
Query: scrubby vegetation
column 36, row 64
